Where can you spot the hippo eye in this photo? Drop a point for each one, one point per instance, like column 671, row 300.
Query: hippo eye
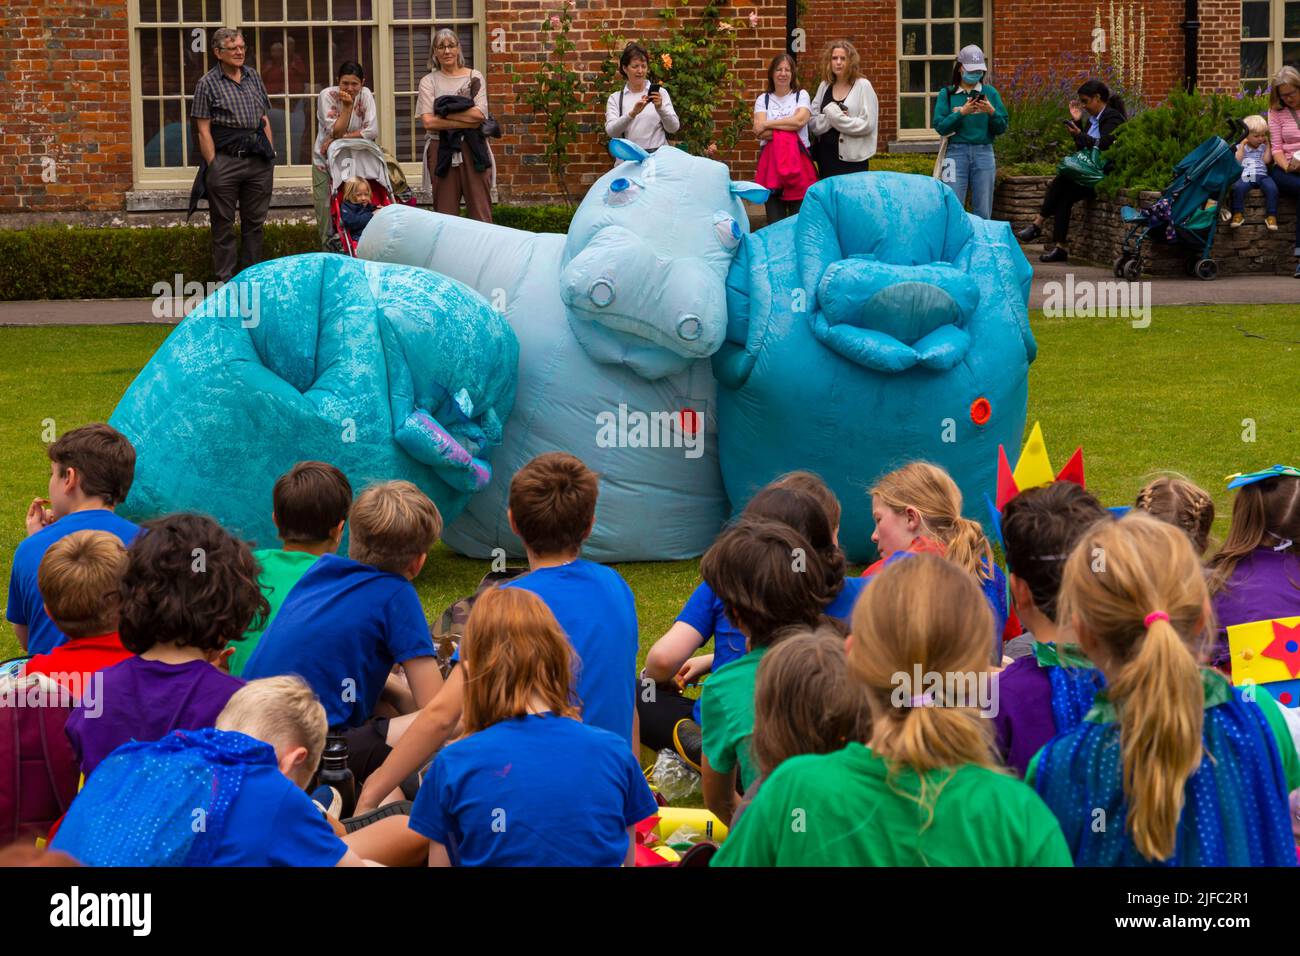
column 727, row 230
column 622, row 191
column 981, row 411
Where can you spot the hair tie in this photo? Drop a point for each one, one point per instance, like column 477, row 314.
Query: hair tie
column 1155, row 616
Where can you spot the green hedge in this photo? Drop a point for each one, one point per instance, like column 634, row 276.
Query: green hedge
column 74, row 262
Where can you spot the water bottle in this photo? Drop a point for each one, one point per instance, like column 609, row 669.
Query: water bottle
column 334, row 771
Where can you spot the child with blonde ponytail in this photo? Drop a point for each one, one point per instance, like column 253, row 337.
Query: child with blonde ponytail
column 926, row 791
column 917, row 509
column 1173, row 765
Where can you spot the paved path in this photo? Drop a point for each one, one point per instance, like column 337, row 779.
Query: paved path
column 1164, row 290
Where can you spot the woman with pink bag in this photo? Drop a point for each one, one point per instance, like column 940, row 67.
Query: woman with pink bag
column 781, row 117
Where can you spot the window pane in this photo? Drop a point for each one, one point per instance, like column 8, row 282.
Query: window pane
column 912, row 115
column 914, row 40
column 1254, row 59
column 1291, row 54
column 913, row 10
column 296, row 10
column 420, row 9
column 152, row 123
column 250, row 9
column 171, row 134
column 170, row 54
column 943, row 38
column 972, row 33
column 1292, row 26
column 941, row 8
column 940, row 75
column 972, row 8
column 1254, row 19
column 912, row 76
column 192, row 9
column 148, row 11
column 464, row 8
column 169, row 11
column 345, row 10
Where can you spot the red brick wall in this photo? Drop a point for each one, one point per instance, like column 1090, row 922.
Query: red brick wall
column 66, row 79
column 1218, row 61
column 66, row 71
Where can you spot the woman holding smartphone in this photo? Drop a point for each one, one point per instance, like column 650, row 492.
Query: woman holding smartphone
column 1094, row 119
column 642, row 111
column 971, row 114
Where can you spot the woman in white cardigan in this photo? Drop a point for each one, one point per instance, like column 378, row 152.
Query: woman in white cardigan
column 845, row 113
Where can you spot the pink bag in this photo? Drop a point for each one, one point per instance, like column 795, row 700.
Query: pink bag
column 785, row 167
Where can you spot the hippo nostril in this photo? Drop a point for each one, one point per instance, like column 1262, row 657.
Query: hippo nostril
column 618, row 185
column 981, row 411
column 601, row 292
column 689, row 327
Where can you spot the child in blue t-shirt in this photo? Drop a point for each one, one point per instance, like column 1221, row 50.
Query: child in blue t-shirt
column 91, row 469
column 243, row 780
column 349, row 620
column 531, row 785
column 668, row 718
column 552, row 508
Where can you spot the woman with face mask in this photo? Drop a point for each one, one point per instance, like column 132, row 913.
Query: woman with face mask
column 971, row 113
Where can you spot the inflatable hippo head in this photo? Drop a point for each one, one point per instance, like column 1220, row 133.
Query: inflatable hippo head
column 881, row 325
column 644, row 270
column 385, row 371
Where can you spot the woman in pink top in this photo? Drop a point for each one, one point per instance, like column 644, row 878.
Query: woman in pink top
column 1284, row 139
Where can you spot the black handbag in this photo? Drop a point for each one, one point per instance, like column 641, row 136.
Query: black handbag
column 491, row 128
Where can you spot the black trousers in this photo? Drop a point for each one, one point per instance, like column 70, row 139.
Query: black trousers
column 659, row 713
column 1061, row 196
column 242, row 182
column 778, row 208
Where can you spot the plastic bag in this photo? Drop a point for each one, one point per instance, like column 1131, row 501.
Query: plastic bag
column 1083, row 167
column 672, row 776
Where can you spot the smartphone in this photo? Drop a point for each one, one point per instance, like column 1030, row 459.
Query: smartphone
column 977, row 97
column 654, row 87
column 1067, row 122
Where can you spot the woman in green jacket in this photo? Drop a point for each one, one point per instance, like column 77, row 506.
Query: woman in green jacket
column 971, row 112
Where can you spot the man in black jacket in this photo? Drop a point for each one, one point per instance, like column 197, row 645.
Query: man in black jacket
column 232, row 113
column 1095, row 119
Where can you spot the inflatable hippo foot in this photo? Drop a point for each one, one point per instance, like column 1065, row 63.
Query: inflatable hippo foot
column 616, row 323
column 881, row 325
column 384, row 371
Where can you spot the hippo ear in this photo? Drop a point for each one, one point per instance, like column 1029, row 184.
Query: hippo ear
column 626, row 149
column 750, row 192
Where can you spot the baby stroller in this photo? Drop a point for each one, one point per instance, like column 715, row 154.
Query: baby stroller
column 360, row 157
column 1180, row 216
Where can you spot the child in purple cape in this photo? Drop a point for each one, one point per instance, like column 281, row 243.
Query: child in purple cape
column 189, row 588
column 1048, row 691
column 1255, row 575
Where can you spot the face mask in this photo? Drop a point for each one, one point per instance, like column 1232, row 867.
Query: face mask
column 972, row 78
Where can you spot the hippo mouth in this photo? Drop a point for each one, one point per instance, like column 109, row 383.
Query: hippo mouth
column 626, row 305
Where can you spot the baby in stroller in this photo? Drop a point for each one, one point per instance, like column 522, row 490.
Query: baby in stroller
column 356, row 210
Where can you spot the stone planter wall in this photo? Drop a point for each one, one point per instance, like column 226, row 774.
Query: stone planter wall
column 1097, row 231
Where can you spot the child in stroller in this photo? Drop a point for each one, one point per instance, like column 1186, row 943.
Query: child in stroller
column 356, row 210
column 355, row 163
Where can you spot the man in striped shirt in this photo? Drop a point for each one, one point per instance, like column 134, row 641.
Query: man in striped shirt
column 232, row 112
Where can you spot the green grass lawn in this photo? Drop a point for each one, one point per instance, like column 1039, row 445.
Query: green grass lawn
column 1171, row 396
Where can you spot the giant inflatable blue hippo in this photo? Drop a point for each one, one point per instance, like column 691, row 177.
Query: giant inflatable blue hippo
column 385, row 371
column 616, row 323
column 881, row 325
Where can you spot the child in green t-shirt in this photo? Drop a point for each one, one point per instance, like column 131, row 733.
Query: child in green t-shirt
column 927, row 790
column 310, row 503
column 768, row 578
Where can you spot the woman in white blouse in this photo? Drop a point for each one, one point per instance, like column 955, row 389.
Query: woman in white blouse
column 343, row 111
column 783, row 106
column 642, row 111
column 845, row 113
column 450, row 76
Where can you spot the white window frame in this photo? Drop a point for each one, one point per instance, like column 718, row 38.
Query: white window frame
column 382, row 22
column 1275, row 40
column 927, row 133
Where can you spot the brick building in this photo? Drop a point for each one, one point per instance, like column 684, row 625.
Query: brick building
column 96, row 120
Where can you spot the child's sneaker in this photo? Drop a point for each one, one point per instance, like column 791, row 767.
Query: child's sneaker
column 1237, row 220
column 327, row 800
column 1225, row 214
column 688, row 741
column 1270, row 222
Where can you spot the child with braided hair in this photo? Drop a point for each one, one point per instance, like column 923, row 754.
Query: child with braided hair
column 1181, row 503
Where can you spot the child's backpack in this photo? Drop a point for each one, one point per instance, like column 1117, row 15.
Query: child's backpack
column 450, row 627
column 38, row 769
